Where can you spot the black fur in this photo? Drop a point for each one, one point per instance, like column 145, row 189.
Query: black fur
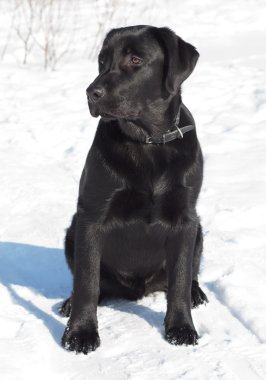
column 136, row 229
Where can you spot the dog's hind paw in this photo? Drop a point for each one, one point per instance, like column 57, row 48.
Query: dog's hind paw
column 198, row 297
column 65, row 308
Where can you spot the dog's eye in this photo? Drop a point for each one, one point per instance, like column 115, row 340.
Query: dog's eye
column 135, row 61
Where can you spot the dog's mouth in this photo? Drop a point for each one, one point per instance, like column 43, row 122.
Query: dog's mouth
column 95, row 112
column 108, row 115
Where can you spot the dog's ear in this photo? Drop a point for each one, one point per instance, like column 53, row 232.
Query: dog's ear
column 180, row 58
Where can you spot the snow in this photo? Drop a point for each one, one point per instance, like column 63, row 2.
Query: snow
column 45, row 133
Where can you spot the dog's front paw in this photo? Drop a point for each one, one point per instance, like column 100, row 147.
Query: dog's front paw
column 182, row 335
column 81, row 340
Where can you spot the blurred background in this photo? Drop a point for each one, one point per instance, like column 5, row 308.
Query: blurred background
column 48, row 57
column 52, row 33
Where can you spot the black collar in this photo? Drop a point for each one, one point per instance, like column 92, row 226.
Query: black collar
column 177, row 133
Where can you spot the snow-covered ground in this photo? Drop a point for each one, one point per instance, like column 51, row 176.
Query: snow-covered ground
column 45, row 133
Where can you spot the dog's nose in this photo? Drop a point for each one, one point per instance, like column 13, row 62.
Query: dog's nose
column 94, row 94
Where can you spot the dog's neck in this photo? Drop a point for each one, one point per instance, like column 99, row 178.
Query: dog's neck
column 156, row 120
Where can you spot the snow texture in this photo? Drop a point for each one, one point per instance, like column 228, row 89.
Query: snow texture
column 45, row 133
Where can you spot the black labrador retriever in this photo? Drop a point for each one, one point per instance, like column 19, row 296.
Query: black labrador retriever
column 136, row 229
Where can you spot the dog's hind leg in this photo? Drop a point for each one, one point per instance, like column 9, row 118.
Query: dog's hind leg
column 198, row 297
column 157, row 283
column 117, row 287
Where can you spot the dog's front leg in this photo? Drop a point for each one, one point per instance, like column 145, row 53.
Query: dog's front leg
column 81, row 333
column 179, row 327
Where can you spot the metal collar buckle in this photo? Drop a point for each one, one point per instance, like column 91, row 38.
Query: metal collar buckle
column 169, row 136
column 180, row 133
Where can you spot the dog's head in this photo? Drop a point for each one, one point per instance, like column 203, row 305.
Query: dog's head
column 139, row 67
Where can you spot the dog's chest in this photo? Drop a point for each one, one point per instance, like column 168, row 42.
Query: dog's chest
column 155, row 202
column 149, row 188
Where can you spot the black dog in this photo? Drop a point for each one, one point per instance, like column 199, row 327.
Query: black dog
column 136, row 229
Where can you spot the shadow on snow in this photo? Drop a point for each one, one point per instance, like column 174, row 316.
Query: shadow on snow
column 45, row 272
